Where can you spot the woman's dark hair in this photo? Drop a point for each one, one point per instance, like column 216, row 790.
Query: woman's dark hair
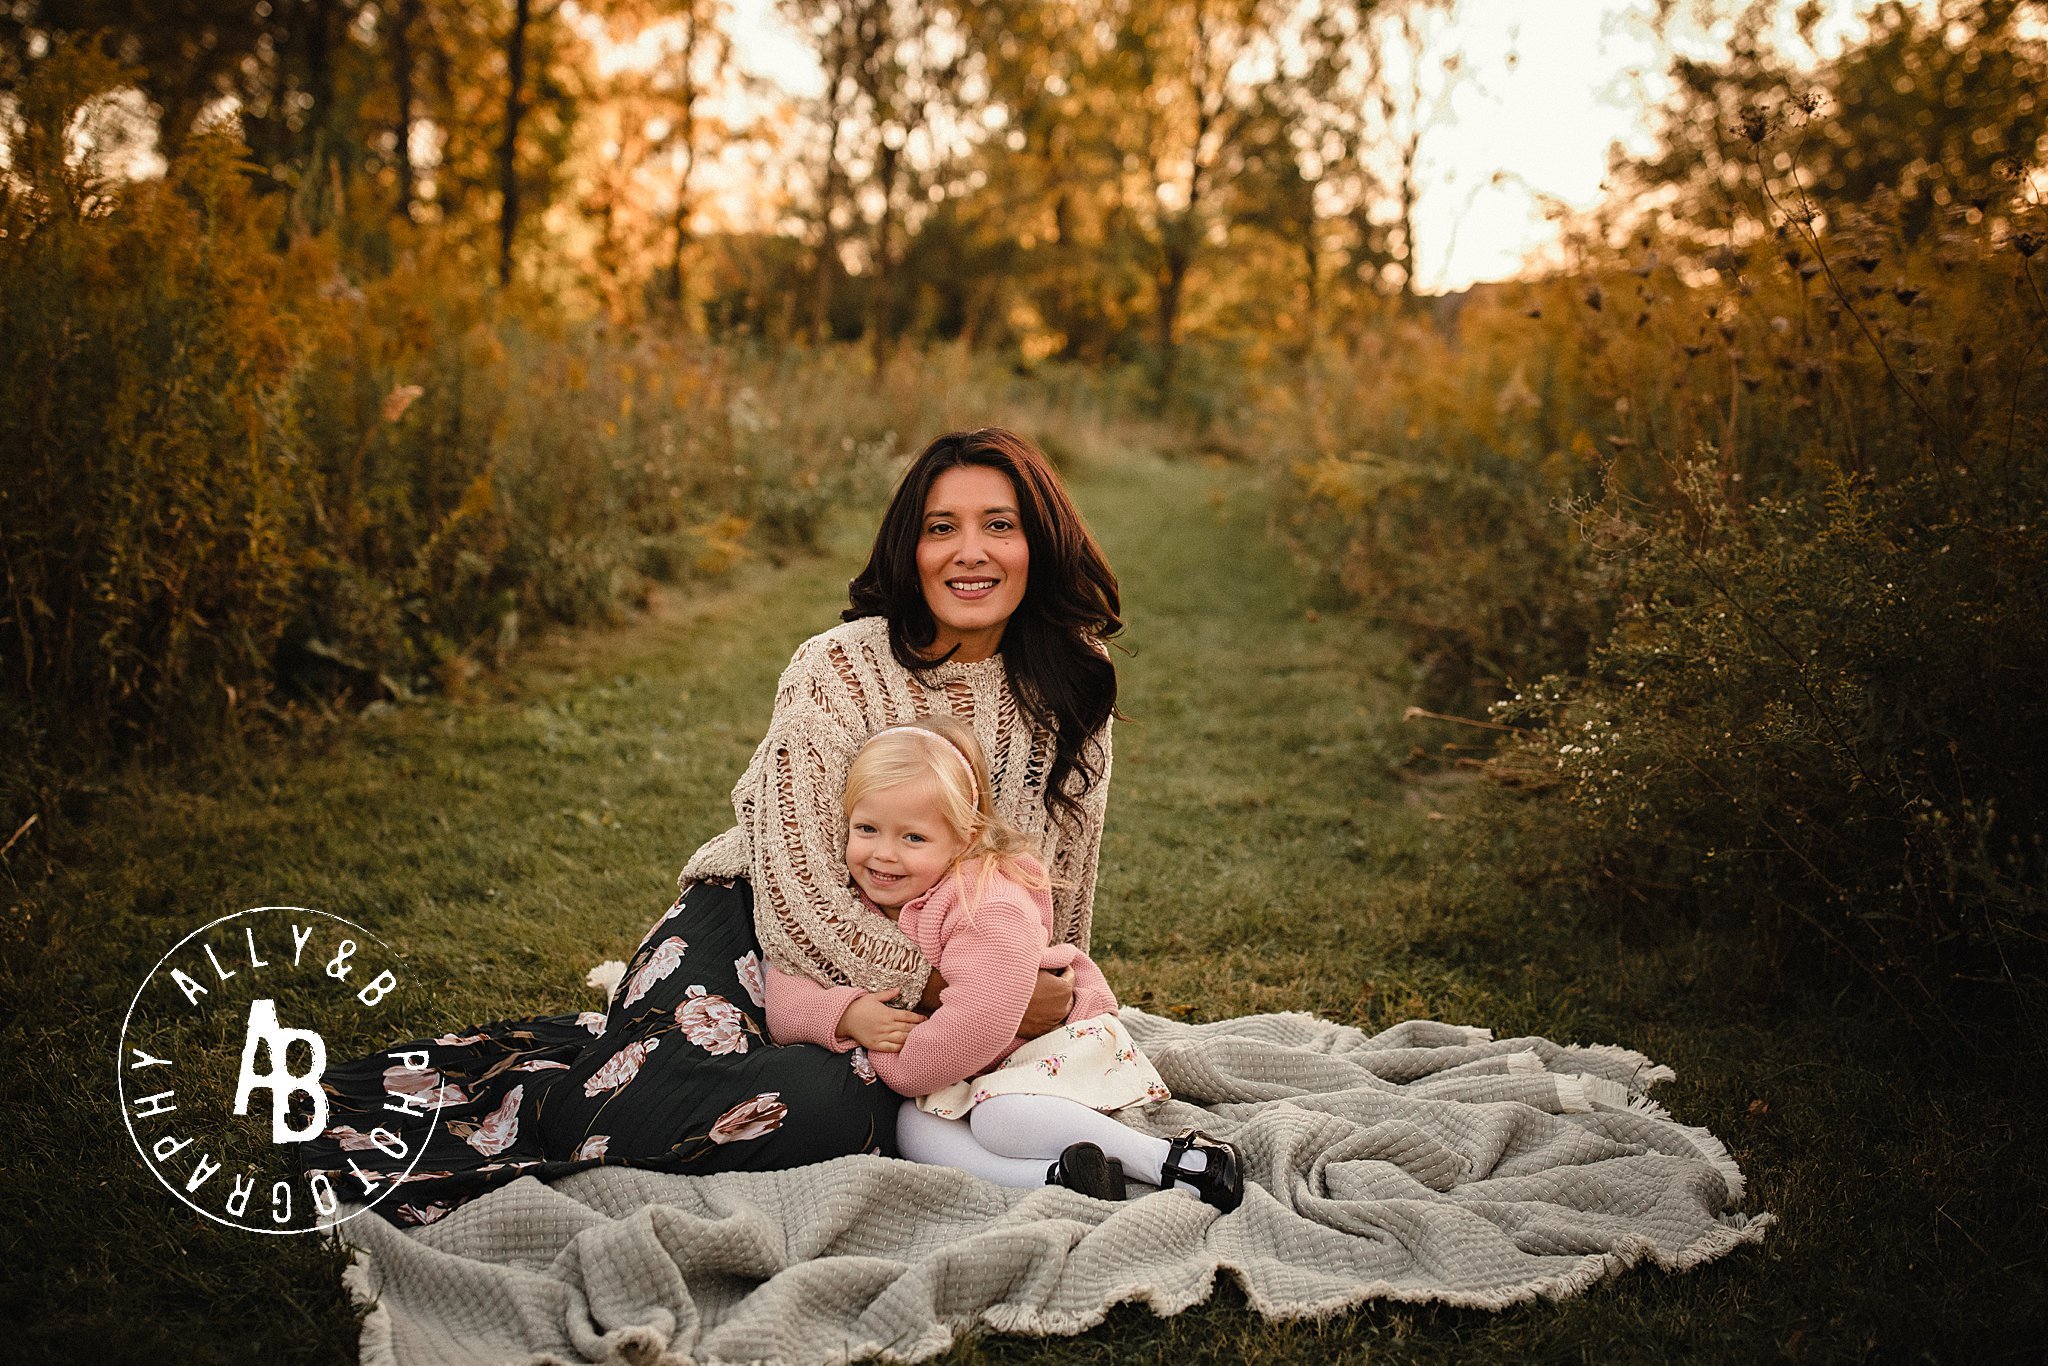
column 1050, row 657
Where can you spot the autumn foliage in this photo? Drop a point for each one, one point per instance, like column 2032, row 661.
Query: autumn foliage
column 1742, row 524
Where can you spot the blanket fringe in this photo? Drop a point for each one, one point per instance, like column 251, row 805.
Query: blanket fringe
column 1649, row 1109
column 1581, row 1095
column 1726, row 1235
column 1644, row 1073
column 359, row 1278
column 1716, row 1152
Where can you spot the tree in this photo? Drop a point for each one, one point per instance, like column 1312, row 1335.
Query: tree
column 508, row 146
column 1924, row 109
column 890, row 115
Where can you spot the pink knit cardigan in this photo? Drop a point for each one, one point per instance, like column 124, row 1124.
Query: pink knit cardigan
column 990, row 959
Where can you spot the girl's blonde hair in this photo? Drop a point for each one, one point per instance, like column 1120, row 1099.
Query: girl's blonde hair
column 942, row 752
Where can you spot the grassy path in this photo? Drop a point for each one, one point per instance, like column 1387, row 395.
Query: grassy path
column 1259, row 856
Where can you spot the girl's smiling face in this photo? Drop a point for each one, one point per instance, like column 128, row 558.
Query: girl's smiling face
column 898, row 846
column 972, row 559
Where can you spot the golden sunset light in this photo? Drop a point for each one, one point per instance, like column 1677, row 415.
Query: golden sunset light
column 949, row 681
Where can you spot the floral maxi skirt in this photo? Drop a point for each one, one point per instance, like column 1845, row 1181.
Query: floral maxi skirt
column 678, row 1075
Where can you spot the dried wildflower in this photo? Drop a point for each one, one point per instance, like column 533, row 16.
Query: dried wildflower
column 399, row 399
column 1755, row 125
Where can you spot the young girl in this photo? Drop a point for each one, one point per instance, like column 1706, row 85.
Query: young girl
column 925, row 847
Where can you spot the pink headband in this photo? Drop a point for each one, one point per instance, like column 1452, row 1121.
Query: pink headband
column 973, row 787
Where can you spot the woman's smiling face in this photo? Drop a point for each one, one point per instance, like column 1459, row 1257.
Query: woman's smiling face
column 972, row 559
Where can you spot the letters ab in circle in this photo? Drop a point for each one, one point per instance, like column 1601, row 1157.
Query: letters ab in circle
column 286, row 977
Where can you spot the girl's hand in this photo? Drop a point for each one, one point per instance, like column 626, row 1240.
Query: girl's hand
column 876, row 1025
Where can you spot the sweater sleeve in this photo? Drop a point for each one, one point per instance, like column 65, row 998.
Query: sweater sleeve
column 990, row 963
column 803, row 1011
column 1079, row 851
column 806, row 913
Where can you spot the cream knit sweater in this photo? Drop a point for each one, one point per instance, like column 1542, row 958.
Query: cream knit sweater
column 842, row 686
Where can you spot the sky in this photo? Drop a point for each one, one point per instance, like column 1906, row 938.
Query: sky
column 1547, row 87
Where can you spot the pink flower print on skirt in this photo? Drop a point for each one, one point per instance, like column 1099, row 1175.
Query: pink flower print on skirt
column 500, row 1129
column 592, row 1020
column 667, row 956
column 418, row 1214
column 1094, row 1061
column 712, row 1023
column 593, row 1146
column 424, row 1085
column 750, row 1119
column 623, row 1067
column 748, row 967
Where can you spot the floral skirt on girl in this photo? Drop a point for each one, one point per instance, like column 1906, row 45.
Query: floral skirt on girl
column 1093, row 1061
column 676, row 1075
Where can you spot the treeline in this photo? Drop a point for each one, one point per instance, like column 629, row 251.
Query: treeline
column 1090, row 181
column 1737, row 533
column 432, row 328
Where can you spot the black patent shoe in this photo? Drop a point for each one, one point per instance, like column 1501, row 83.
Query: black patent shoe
column 1221, row 1183
column 1082, row 1167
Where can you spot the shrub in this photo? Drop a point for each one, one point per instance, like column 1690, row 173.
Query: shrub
column 1825, row 713
column 1756, row 491
column 152, row 473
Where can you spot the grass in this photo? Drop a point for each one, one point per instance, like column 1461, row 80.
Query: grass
column 1262, row 853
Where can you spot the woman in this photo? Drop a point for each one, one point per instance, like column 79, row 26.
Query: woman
column 984, row 597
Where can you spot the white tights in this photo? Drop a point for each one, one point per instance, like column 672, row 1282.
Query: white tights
column 1011, row 1140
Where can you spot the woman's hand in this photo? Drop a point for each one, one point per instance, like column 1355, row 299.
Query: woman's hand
column 876, row 1025
column 1051, row 999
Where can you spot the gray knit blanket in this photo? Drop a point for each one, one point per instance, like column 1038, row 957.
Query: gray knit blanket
column 1428, row 1163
